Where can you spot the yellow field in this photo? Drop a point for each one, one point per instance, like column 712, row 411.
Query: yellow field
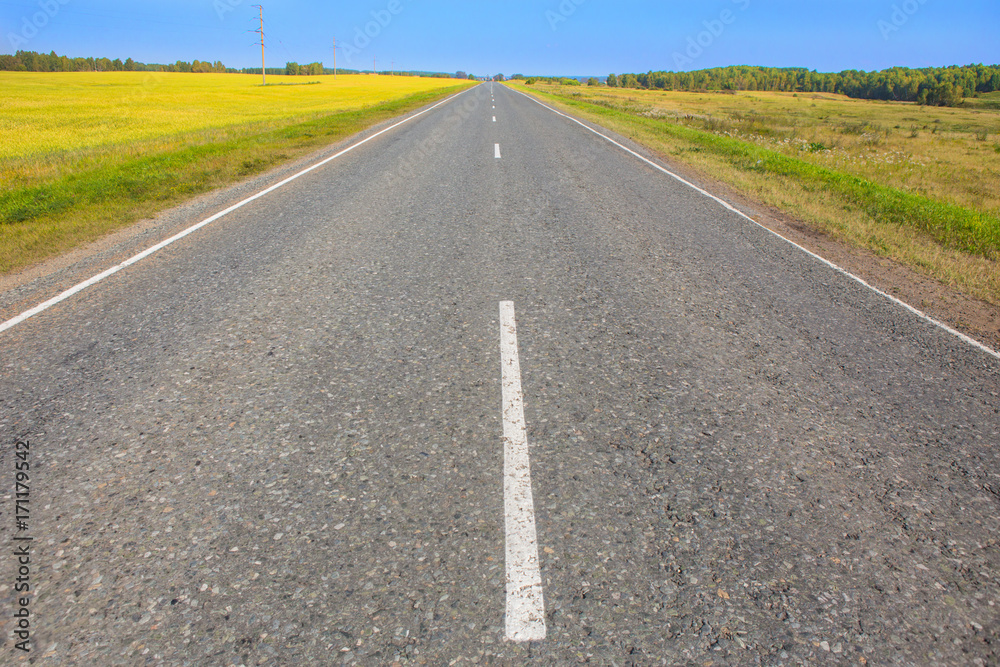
column 47, row 119
column 84, row 154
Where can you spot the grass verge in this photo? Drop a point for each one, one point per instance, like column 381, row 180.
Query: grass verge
column 950, row 243
column 44, row 220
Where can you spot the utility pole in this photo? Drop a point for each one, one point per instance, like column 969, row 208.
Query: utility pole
column 334, row 57
column 392, row 69
column 263, row 67
column 374, row 70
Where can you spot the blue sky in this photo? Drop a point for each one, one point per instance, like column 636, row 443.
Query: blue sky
column 571, row 37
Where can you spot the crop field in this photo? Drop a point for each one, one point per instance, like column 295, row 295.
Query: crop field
column 918, row 184
column 82, row 154
column 51, row 119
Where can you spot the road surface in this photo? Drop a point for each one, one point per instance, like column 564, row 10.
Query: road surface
column 281, row 439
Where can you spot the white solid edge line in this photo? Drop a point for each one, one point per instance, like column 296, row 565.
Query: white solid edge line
column 497, row 151
column 525, row 605
column 924, row 316
column 163, row 244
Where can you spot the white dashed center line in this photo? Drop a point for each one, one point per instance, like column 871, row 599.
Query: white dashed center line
column 525, row 606
column 497, row 150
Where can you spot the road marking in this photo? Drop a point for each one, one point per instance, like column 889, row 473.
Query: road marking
column 922, row 315
column 497, row 150
column 525, row 606
column 494, row 119
column 13, row 322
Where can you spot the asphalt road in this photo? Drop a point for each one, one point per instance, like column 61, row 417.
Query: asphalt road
column 280, row 440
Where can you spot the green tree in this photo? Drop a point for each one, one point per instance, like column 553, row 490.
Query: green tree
column 612, row 81
column 943, row 95
column 659, row 81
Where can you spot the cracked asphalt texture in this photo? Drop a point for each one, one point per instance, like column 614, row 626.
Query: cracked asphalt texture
column 279, row 440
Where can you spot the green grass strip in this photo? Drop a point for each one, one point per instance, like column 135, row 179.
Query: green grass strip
column 972, row 232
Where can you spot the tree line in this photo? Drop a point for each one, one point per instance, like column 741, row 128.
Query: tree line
column 936, row 86
column 30, row 61
column 312, row 69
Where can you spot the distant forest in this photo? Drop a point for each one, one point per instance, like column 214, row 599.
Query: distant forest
column 936, row 86
column 30, row 61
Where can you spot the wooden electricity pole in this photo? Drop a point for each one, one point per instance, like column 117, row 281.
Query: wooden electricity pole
column 263, row 67
column 334, row 57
